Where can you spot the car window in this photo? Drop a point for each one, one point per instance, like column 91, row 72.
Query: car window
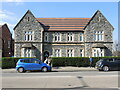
column 21, row 60
column 34, row 61
column 111, row 60
column 117, row 60
column 27, row 61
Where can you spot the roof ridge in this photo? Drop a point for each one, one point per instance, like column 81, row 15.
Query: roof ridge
column 63, row 18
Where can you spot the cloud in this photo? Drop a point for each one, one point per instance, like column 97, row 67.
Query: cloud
column 7, row 16
column 16, row 2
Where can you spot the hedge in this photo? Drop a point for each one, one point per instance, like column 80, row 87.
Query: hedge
column 10, row 62
column 75, row 61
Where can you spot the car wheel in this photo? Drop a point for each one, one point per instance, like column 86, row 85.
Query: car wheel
column 105, row 68
column 44, row 69
column 21, row 70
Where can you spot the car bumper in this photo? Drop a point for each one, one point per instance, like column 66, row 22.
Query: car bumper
column 98, row 67
column 16, row 68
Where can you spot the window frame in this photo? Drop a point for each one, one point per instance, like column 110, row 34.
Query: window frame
column 46, row 38
column 81, row 36
column 28, row 35
column 57, row 36
column 98, row 52
column 57, row 52
column 98, row 35
column 70, row 37
column 82, row 53
column 70, row 53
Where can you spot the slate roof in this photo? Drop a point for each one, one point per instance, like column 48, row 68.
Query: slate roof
column 63, row 24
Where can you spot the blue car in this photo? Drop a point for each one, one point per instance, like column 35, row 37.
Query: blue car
column 30, row 64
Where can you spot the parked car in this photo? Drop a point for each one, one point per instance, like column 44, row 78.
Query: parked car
column 30, row 64
column 108, row 64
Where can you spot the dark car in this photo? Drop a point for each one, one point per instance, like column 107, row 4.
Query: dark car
column 30, row 64
column 108, row 64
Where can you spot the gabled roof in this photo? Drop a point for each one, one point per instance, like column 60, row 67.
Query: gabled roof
column 5, row 25
column 63, row 24
column 98, row 11
column 23, row 17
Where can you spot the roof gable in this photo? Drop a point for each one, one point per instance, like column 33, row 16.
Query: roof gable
column 26, row 14
column 98, row 14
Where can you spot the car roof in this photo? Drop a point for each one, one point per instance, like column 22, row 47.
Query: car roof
column 109, row 58
column 27, row 58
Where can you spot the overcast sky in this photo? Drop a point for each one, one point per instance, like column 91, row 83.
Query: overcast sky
column 12, row 12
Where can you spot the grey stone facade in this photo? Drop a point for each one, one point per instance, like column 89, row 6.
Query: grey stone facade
column 98, row 23
column 45, row 41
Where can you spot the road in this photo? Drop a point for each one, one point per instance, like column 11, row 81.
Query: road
column 90, row 80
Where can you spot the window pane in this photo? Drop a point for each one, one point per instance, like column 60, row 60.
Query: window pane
column 81, row 36
column 81, row 52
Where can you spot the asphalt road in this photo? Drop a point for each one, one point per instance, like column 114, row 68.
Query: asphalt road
column 85, row 80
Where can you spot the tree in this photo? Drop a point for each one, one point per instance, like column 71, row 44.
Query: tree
column 116, row 48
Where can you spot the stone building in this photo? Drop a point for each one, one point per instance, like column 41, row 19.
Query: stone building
column 63, row 37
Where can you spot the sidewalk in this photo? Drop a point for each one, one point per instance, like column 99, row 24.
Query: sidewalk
column 59, row 69
column 73, row 69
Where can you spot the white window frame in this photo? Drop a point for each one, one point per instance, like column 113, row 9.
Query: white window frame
column 99, row 35
column 57, row 53
column 46, row 37
column 98, row 52
column 81, row 36
column 81, row 53
column 28, row 35
column 28, row 52
column 70, row 36
column 57, row 36
column 70, row 52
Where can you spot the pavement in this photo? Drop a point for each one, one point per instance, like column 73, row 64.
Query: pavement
column 59, row 69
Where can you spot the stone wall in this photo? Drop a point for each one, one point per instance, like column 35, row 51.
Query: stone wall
column 98, row 23
column 76, row 49
column 31, row 25
column 28, row 23
column 64, row 36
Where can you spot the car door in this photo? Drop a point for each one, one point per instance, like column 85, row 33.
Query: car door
column 27, row 65
column 112, row 64
column 119, row 64
column 117, row 61
column 36, row 65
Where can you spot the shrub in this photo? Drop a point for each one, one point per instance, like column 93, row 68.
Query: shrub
column 9, row 62
column 75, row 61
